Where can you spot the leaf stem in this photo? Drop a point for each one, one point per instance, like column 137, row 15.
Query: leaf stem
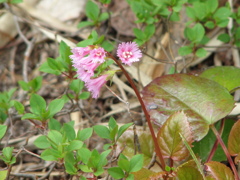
column 225, row 151
column 157, row 147
column 211, row 154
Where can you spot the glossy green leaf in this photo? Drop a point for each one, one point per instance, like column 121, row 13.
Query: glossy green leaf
column 219, row 171
column 203, row 101
column 194, row 34
column 234, row 139
column 3, row 129
column 227, row 76
column 169, row 138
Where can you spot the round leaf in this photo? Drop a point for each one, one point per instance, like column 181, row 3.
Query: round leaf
column 203, row 101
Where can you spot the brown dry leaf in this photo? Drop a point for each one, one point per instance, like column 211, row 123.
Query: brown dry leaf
column 123, row 18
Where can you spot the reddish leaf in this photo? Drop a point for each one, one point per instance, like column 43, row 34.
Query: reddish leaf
column 219, row 171
column 143, row 174
column 227, row 76
column 234, row 139
column 204, row 101
column 170, row 141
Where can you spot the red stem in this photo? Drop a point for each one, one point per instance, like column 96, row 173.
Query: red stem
column 211, row 154
column 157, row 147
column 225, row 151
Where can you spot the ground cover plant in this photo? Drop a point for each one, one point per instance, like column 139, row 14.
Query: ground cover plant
column 132, row 89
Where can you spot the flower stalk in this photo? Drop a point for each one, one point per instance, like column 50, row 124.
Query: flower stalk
column 157, row 147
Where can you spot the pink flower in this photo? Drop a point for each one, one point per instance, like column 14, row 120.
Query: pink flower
column 79, row 53
column 129, row 52
column 98, row 55
column 95, row 85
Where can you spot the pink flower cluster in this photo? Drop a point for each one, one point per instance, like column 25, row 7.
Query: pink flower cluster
column 87, row 59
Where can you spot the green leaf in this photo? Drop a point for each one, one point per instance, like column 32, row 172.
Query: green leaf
column 209, row 24
column 75, row 145
column 24, row 85
column 31, row 116
column 171, row 93
column 185, row 50
column 227, row 76
column 201, row 52
column 122, row 129
column 102, row 131
column 84, row 95
column 54, row 124
column 84, row 155
column 54, row 64
column 42, row 142
column 195, row 34
column 7, row 153
column 36, row 83
column 104, row 16
column 50, row 155
column 85, row 43
column 222, row 13
column 3, row 174
column 19, row 107
column 65, row 52
column 3, row 129
column 92, row 10
column 234, row 140
column 136, row 163
column 47, row 69
column 85, row 23
column 38, row 104
column 219, row 171
column 69, row 131
column 76, row 85
column 224, row 37
column 116, row 172
column 124, row 164
column 139, row 34
column 84, row 134
column 169, row 138
column 149, row 30
column 55, row 137
column 188, row 170
column 55, row 106
column 112, row 123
